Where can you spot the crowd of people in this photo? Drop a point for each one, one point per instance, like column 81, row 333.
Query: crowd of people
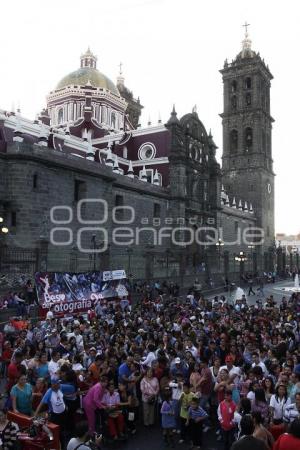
column 186, row 364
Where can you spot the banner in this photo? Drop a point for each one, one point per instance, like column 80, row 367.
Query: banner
column 78, row 292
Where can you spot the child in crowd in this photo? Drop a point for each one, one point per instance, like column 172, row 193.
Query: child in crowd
column 168, row 421
column 196, row 416
column 185, row 402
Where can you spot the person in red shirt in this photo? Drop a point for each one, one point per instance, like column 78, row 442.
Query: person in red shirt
column 291, row 440
column 14, row 370
column 226, row 415
column 6, row 357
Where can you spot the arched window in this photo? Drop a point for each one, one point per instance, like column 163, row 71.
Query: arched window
column 113, row 120
column 233, row 141
column 103, row 114
column 248, row 99
column 248, row 139
column 193, row 153
column 233, row 102
column 248, row 83
column 60, row 116
column 233, row 86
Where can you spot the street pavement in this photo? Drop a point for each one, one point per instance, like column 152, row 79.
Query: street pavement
column 151, row 439
column 269, row 289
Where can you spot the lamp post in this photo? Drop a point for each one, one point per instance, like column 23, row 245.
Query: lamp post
column 3, row 228
column 251, row 246
column 219, row 244
column 241, row 258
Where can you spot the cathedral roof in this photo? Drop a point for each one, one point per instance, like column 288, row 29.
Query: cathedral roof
column 88, row 74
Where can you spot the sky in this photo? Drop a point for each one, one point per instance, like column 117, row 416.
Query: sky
column 172, row 51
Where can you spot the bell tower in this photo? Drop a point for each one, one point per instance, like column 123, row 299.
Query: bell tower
column 247, row 136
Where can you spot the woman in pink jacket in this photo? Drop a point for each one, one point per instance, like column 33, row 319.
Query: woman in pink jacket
column 93, row 401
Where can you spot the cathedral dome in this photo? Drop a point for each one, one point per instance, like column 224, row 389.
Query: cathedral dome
column 88, row 74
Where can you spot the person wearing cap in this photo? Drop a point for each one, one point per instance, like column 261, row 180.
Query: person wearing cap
column 94, row 369
column 179, row 367
column 234, row 371
column 54, row 399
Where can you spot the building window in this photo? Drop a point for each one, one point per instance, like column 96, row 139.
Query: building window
column 60, row 116
column 233, row 102
column 125, row 152
column 79, row 190
column 248, row 99
column 248, row 139
column 147, row 151
column 13, row 219
column 113, row 120
column 119, row 202
column 233, row 141
column 35, row 181
column 193, row 153
column 248, row 83
column 236, row 226
column 233, row 86
column 156, row 210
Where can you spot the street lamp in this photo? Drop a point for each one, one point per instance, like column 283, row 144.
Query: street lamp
column 241, row 258
column 3, row 228
column 219, row 244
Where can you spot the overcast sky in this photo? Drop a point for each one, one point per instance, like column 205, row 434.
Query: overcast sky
column 171, row 51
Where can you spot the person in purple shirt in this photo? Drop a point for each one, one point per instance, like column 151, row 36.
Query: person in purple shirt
column 168, row 421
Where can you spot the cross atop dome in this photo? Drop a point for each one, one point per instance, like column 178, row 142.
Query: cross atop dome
column 88, row 59
column 246, row 43
column 120, row 78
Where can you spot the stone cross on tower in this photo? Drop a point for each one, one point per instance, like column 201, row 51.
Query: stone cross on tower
column 120, row 66
column 246, row 25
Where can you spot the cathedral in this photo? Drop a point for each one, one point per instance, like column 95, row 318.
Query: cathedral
column 85, row 187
